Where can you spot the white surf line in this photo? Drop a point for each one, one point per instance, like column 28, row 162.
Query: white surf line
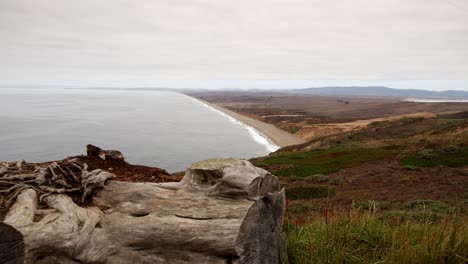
column 256, row 135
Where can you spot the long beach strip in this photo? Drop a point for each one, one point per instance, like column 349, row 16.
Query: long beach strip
column 266, row 134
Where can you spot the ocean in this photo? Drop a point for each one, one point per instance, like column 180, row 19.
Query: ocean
column 162, row 129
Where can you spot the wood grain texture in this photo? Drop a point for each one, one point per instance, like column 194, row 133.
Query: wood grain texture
column 223, row 211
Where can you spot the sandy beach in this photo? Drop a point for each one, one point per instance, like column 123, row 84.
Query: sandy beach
column 276, row 135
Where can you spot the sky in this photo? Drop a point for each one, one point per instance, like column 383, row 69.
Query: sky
column 234, row 44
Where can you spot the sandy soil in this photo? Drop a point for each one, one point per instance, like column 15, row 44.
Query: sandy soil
column 276, row 135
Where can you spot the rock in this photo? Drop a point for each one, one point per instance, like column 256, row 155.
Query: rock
column 111, row 154
column 92, row 151
column 223, row 211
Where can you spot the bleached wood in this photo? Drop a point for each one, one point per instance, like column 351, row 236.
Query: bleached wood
column 224, row 210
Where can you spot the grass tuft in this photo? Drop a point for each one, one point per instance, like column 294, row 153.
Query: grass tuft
column 364, row 237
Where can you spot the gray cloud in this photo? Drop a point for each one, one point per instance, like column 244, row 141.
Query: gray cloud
column 137, row 41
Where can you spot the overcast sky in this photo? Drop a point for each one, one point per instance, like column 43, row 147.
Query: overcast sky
column 241, row 43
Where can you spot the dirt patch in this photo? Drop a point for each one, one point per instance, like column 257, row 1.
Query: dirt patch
column 128, row 172
column 387, row 182
column 320, row 130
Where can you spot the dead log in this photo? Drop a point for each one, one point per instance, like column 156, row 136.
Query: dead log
column 223, row 211
column 11, row 245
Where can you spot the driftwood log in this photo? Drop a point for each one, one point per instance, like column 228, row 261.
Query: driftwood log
column 11, row 245
column 223, row 211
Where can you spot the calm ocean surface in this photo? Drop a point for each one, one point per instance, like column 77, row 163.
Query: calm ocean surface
column 162, row 129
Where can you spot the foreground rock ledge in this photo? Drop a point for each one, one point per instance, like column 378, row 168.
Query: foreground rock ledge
column 223, row 211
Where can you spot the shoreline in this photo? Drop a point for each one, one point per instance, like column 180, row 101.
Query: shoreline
column 273, row 134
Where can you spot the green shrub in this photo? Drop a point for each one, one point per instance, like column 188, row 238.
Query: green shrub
column 310, row 192
column 373, row 205
column 427, row 154
column 430, row 205
column 456, row 157
column 420, row 216
column 335, row 182
column 325, row 161
column 411, row 167
column 450, row 149
column 303, row 208
column 316, row 178
column 293, row 130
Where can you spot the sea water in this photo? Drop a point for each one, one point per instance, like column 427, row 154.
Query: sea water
column 163, row 129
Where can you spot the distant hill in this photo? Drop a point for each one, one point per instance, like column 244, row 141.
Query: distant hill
column 381, row 91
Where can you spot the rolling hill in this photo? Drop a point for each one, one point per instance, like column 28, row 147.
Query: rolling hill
column 381, row 91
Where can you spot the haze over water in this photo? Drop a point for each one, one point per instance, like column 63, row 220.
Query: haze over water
column 162, row 129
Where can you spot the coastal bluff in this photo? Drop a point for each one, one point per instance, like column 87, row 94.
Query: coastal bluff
column 221, row 211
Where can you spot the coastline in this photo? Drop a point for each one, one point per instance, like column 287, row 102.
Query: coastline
column 277, row 136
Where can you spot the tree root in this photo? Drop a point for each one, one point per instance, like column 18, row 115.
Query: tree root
column 67, row 176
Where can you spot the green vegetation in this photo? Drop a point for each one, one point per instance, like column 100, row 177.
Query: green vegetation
column 317, row 178
column 419, row 210
column 365, row 237
column 402, row 223
column 335, row 182
column 449, row 124
column 411, row 167
column 325, row 161
column 303, row 208
column 292, row 130
column 430, row 206
column 449, row 156
column 458, row 115
column 310, row 192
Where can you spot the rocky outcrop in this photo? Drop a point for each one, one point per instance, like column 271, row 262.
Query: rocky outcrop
column 92, row 151
column 223, row 211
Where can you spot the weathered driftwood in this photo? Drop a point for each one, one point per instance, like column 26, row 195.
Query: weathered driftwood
column 223, row 211
column 11, row 245
column 70, row 176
